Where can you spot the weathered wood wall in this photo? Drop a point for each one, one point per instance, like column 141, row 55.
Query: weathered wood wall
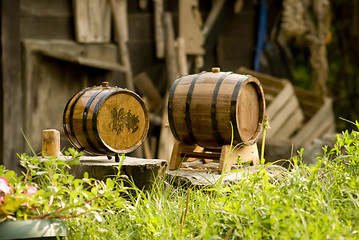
column 11, row 115
column 36, row 85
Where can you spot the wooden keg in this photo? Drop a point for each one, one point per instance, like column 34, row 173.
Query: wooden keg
column 106, row 120
column 201, row 108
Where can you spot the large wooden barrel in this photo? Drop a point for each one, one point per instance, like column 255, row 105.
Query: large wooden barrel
column 201, row 108
column 106, row 120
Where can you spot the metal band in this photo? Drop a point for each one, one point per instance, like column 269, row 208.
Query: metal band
column 217, row 135
column 94, row 120
column 188, row 114
column 233, row 108
column 71, row 118
column 84, row 118
column 170, row 108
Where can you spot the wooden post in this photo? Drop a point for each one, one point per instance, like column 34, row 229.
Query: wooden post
column 51, row 142
column 92, row 21
column 189, row 29
column 121, row 31
column 159, row 30
column 11, row 104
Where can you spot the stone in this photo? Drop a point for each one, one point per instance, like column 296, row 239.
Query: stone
column 189, row 177
column 144, row 172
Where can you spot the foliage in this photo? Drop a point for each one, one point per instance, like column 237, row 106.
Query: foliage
column 46, row 189
column 313, row 202
column 319, row 201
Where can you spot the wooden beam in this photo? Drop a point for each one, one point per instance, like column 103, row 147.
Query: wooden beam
column 113, row 66
column 213, row 15
column 189, row 30
column 12, row 141
column 121, row 31
column 146, row 88
column 92, row 21
column 159, row 31
column 171, row 58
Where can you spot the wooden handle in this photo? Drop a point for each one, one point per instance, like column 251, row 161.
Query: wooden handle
column 51, row 142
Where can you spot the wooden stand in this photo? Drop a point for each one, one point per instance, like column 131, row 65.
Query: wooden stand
column 182, row 152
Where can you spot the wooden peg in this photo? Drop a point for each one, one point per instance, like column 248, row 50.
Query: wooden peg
column 51, row 142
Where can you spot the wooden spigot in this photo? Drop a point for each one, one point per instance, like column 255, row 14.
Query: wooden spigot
column 51, row 142
column 105, row 84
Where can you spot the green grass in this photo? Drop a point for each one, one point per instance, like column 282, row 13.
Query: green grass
column 313, row 202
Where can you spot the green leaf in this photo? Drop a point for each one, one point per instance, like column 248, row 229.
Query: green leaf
column 98, row 217
column 40, row 173
column 86, row 175
column 94, row 191
column 12, row 205
column 74, row 161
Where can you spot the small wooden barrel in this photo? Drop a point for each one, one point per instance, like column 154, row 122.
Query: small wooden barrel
column 106, row 120
column 201, row 108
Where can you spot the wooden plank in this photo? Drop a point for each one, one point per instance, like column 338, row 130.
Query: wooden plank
column 189, row 30
column 38, row 18
column 202, row 155
column 121, row 31
column 147, row 149
column 309, row 97
column 277, row 121
column 181, row 55
column 142, row 4
column 268, row 98
column 167, row 141
column 11, row 116
column 92, row 55
column 46, row 8
column 92, row 21
column 84, row 61
column 121, row 9
column 305, row 135
column 280, row 100
column 293, row 123
column 145, row 87
column 265, row 78
column 271, row 90
column 212, row 16
column 159, row 30
column 102, row 52
column 171, row 58
column 320, row 130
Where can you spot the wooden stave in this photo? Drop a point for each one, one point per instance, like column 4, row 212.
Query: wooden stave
column 67, row 117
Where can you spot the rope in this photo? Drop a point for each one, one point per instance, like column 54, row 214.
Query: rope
column 309, row 21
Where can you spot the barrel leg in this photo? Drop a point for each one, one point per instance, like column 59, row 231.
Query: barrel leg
column 248, row 153
column 176, row 157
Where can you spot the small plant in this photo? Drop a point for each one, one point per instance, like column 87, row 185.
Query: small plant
column 46, row 189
